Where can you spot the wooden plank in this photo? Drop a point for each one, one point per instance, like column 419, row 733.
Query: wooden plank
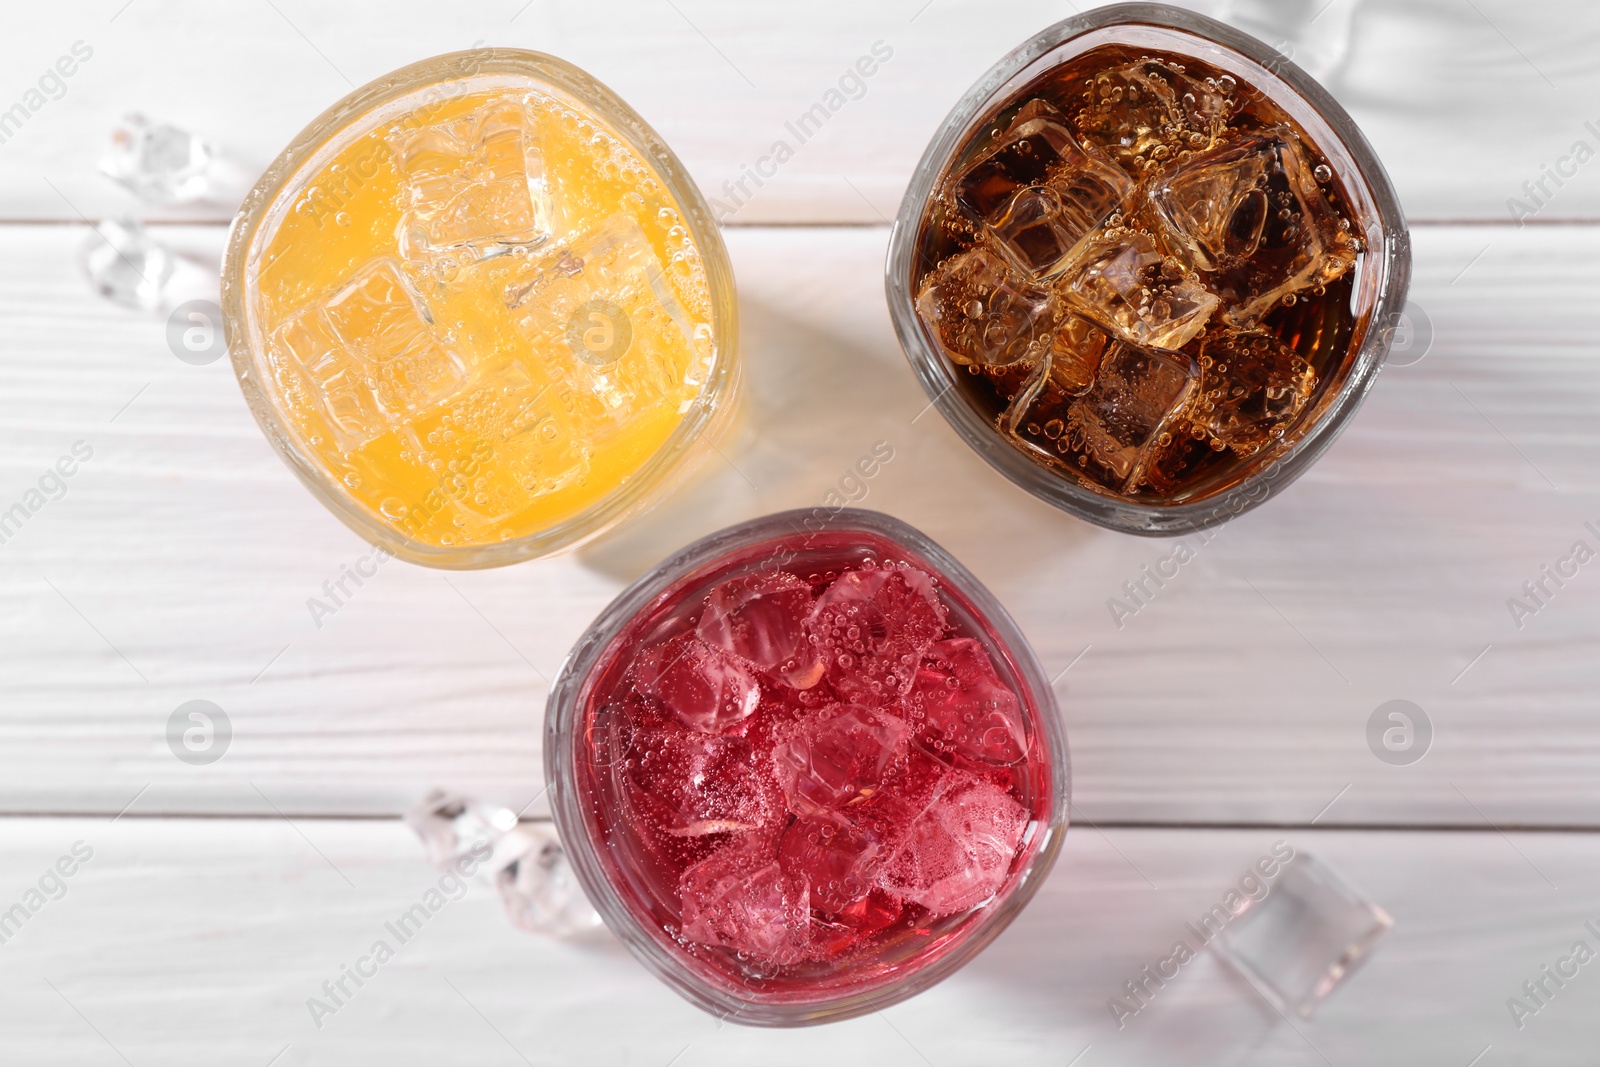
column 1465, row 102
column 179, row 563
column 200, row 941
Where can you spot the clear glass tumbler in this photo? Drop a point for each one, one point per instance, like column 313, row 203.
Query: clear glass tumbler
column 1148, row 268
column 480, row 310
column 806, row 768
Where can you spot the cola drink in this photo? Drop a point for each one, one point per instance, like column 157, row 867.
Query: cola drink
column 1151, row 274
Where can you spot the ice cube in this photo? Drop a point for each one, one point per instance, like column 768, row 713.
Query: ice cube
column 960, row 709
column 837, row 758
column 982, row 313
column 1303, row 936
column 607, row 326
column 958, row 853
column 1038, row 192
column 526, row 861
column 1022, row 386
column 1250, row 214
column 836, row 858
column 761, row 618
column 1110, row 432
column 453, row 827
column 1214, row 207
column 1035, row 146
column 158, row 162
column 471, row 187
column 700, row 687
column 841, row 931
column 1123, row 283
column 370, row 356
column 1075, row 354
column 741, row 899
column 1033, row 233
column 903, row 796
column 1040, row 398
column 1147, row 112
column 693, row 784
column 126, row 266
column 1252, row 386
column 537, row 885
column 872, row 626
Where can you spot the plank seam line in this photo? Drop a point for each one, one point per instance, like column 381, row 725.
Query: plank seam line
column 1104, row 824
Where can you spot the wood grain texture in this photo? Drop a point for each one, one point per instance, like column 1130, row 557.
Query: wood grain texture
column 179, row 563
column 199, row 942
column 1464, row 102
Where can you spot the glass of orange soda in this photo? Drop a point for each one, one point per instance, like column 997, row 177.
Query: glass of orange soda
column 480, row 310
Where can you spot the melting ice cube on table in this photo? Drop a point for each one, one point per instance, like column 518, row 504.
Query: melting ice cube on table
column 126, row 266
column 537, row 885
column 526, row 861
column 452, row 826
column 158, row 162
column 1304, row 939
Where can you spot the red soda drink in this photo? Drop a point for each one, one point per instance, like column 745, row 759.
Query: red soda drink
column 809, row 766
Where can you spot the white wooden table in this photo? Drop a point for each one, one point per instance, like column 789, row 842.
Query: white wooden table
column 1229, row 714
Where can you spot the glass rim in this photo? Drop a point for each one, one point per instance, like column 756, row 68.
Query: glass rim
column 1387, row 255
column 289, row 171
column 560, row 736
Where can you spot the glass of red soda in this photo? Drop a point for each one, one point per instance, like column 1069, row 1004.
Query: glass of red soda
column 807, row 767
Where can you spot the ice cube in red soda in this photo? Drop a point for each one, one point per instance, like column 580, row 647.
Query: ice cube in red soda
column 839, row 756
column 741, row 898
column 838, row 859
column 701, row 688
column 691, row 784
column 761, row 619
column 835, row 768
column 872, row 626
column 957, row 853
column 960, row 707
